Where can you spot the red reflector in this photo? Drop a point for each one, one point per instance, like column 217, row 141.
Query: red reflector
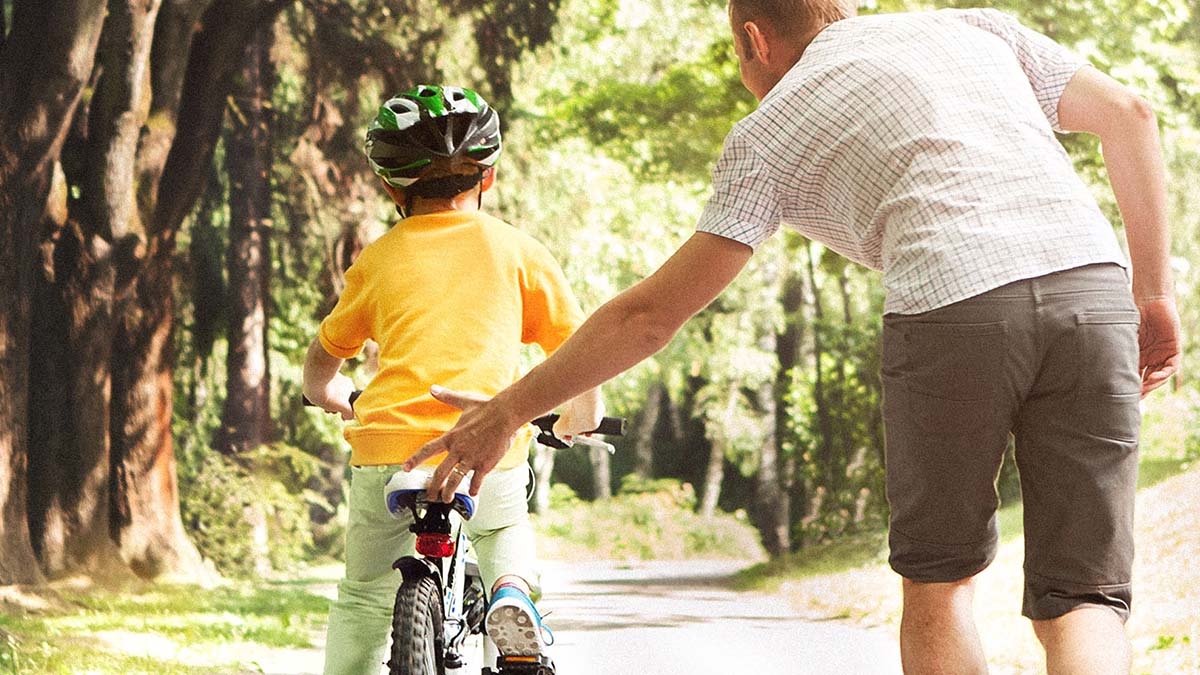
column 435, row 545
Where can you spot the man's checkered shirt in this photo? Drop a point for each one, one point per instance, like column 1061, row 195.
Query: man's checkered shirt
column 921, row 145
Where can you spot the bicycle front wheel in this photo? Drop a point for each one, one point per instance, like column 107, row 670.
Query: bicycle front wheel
column 418, row 642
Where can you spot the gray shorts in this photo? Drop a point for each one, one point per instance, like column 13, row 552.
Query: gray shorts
column 1053, row 361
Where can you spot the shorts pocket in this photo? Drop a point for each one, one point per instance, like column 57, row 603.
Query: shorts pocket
column 945, row 376
column 951, row 362
column 1108, row 390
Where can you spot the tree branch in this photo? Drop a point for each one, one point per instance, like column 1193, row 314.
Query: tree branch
column 215, row 58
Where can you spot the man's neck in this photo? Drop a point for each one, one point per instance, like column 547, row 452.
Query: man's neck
column 794, row 53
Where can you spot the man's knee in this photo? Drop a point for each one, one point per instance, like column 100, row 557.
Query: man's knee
column 938, row 594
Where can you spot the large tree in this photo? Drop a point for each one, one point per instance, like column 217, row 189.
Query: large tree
column 45, row 62
column 103, row 491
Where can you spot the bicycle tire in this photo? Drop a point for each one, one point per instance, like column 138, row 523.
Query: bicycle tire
column 418, row 642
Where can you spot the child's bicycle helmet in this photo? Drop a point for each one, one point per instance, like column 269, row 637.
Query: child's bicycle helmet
column 426, row 122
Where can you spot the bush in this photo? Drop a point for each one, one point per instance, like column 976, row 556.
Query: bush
column 250, row 514
column 647, row 520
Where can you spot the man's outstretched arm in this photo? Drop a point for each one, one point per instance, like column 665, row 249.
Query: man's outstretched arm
column 620, row 334
column 1128, row 131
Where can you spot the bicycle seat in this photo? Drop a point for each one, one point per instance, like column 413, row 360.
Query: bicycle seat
column 406, row 490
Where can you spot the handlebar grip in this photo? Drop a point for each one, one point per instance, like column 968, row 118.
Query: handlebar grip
column 610, row 426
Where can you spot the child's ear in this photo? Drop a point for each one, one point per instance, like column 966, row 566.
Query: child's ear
column 489, row 177
column 397, row 194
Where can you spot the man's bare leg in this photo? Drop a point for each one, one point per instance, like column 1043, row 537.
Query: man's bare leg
column 937, row 631
column 1089, row 640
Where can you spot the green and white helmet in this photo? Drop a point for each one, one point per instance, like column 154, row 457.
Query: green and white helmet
column 417, row 126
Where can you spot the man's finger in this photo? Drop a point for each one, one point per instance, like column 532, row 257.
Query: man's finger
column 459, row 399
column 1157, row 379
column 438, row 481
column 430, row 449
column 476, row 482
column 450, row 488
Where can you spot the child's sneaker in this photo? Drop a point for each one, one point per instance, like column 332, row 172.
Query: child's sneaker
column 514, row 624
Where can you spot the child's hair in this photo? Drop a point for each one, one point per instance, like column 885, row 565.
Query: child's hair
column 446, row 179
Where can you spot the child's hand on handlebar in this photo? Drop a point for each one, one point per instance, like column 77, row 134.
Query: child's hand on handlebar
column 336, row 397
column 580, row 415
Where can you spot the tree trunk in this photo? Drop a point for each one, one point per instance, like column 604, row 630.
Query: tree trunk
column 715, row 473
column 643, row 445
column 772, row 497
column 52, row 45
column 601, row 473
column 712, row 478
column 70, row 502
column 543, row 467
column 149, row 528
column 820, row 400
column 246, row 421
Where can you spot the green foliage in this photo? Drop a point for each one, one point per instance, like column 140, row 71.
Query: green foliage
column 666, row 128
column 846, row 553
column 247, row 512
column 633, row 484
column 654, row 522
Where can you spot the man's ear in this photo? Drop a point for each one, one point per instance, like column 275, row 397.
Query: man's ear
column 489, row 177
column 757, row 44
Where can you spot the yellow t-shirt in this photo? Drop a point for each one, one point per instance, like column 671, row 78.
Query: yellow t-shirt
column 450, row 297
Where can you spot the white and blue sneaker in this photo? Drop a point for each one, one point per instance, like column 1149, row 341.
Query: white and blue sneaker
column 513, row 623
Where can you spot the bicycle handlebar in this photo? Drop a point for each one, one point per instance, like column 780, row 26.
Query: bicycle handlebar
column 353, row 397
column 609, row 426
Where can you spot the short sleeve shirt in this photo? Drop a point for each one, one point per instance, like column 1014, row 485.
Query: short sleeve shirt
column 921, row 145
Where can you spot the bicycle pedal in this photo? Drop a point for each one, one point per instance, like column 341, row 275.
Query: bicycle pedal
column 525, row 665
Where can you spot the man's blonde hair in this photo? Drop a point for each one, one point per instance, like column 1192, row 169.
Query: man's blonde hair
column 791, row 17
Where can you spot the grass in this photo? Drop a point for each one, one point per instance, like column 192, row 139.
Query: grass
column 165, row 630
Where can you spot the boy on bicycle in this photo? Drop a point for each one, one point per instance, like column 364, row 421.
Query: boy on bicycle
column 450, row 294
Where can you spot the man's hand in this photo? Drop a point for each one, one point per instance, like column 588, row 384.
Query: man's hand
column 580, row 415
column 1159, row 342
column 480, row 439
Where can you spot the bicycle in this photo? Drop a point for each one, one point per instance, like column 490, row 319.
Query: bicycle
column 441, row 601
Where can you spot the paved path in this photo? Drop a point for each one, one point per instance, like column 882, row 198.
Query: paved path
column 680, row 618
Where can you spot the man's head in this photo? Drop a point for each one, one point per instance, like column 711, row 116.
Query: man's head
column 769, row 36
column 434, row 143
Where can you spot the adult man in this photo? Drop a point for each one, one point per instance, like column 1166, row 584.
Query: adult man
column 922, row 145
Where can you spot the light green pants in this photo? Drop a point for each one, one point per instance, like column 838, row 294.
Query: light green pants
column 361, row 617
